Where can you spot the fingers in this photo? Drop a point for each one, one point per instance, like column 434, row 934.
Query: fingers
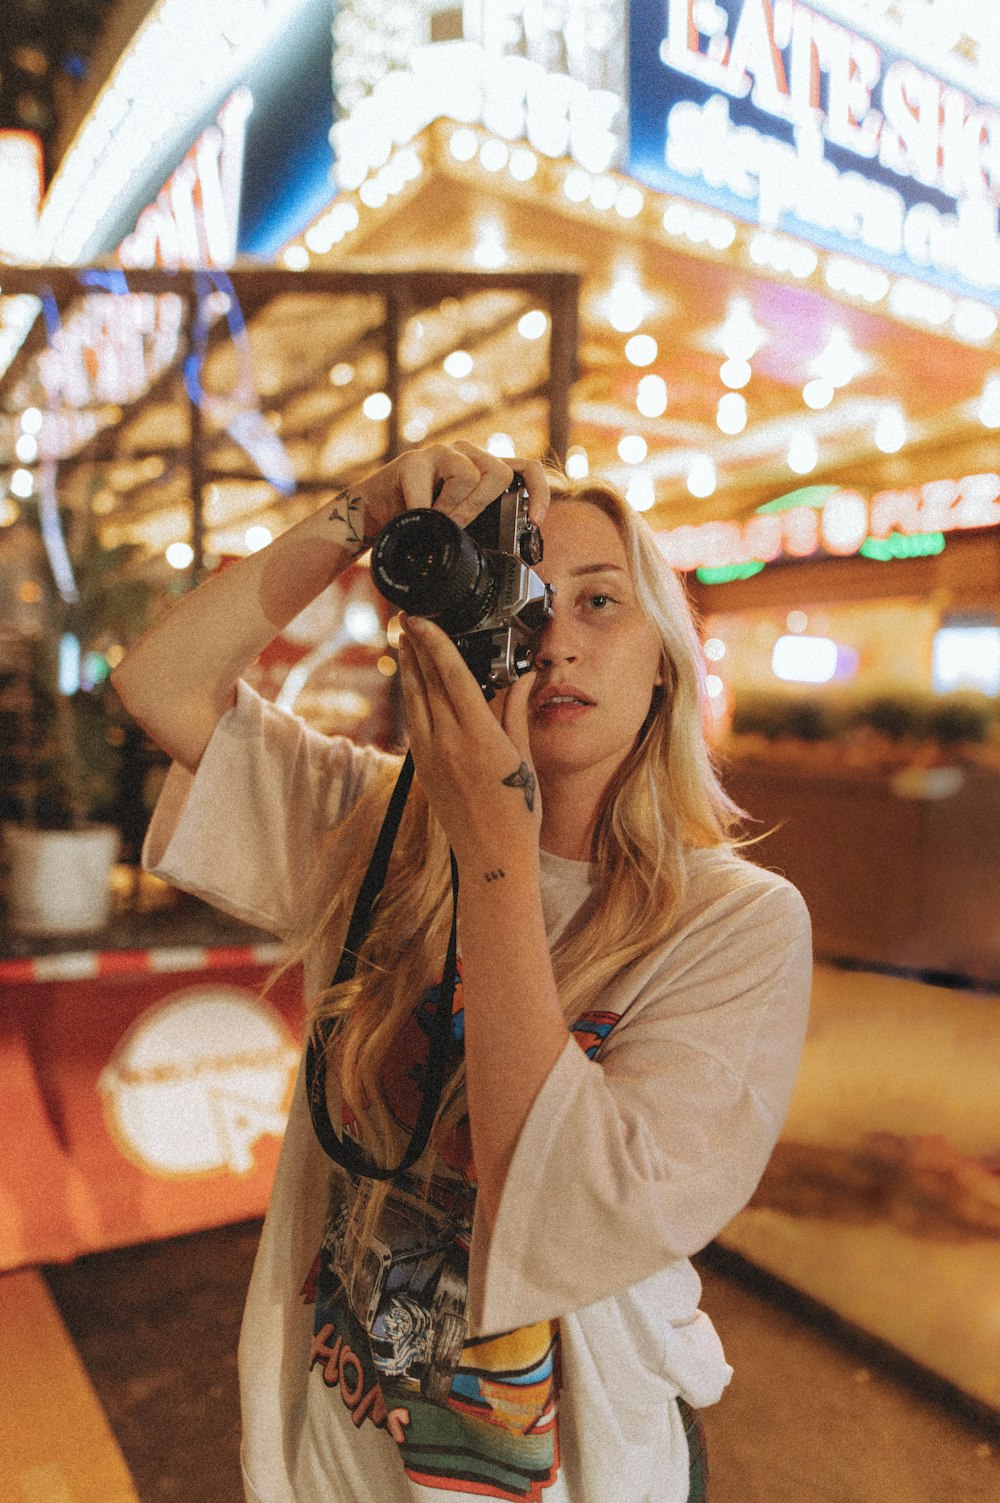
column 461, row 480
column 514, row 715
column 445, row 676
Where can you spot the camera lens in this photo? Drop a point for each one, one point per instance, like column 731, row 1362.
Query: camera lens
column 425, row 563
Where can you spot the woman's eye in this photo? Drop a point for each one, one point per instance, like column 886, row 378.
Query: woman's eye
column 600, row 601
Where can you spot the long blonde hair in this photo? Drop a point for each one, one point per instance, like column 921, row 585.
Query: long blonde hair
column 664, row 801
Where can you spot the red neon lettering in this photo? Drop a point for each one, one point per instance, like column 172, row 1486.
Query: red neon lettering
column 801, row 529
column 893, row 510
column 755, row 53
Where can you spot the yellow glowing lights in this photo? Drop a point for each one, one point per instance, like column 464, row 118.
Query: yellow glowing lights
column 731, row 415
column 180, row 555
column 296, row 258
column 838, row 362
column 818, row 393
column 803, row 455
column 989, row 403
column 377, row 406
column 494, row 154
column 741, row 335
column 463, row 145
column 651, row 397
column 533, row 325
column 714, row 685
column 26, row 448
column 804, row 660
column 890, row 430
column 502, row 445
column 257, row 537
column 22, row 484
column 31, row 420
column 577, row 463
column 523, row 164
column 458, row 364
column 626, row 304
column 797, row 621
column 632, row 448
column 629, row 202
column 342, row 374
column 735, row 373
column 641, row 349
column 9, row 512
column 701, row 478
column 640, row 493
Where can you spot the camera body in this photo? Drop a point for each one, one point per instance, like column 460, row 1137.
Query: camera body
column 477, row 583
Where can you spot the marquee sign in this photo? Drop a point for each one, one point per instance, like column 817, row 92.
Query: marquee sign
column 775, row 112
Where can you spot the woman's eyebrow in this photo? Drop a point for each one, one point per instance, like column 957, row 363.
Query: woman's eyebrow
column 597, row 569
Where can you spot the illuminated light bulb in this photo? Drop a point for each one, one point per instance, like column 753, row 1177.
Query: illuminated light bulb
column 180, row 555
column 626, row 305
column 9, row 512
column 490, row 252
column 31, row 420
column 361, row 621
column 533, row 325
column 576, row 185
column 502, row 445
column 640, row 493
column 22, row 483
column 732, row 413
column 804, row 660
column 818, row 393
column 714, row 649
column 577, row 464
column 797, row 621
column 651, row 397
column 641, row 349
column 377, row 406
column 713, row 685
column 494, row 155
column 463, row 145
column 843, row 522
column 735, row 373
column 603, row 192
column 630, row 203
column 458, row 364
column 890, row 431
column 632, row 448
column 296, row 258
column 523, row 165
column 838, row 362
column 257, row 537
column 721, row 233
column 342, row 374
column 26, row 448
column 803, row 455
column 701, row 480
column 415, row 429
column 973, row 322
column 373, row 193
column 989, row 403
column 676, row 218
column 741, row 335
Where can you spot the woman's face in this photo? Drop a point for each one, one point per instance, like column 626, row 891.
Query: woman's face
column 599, row 658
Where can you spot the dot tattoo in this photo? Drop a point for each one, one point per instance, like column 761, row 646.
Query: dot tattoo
column 523, row 778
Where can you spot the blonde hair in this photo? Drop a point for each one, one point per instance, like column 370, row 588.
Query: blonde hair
column 664, row 801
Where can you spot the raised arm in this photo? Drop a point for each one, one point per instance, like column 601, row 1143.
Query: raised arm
column 181, row 676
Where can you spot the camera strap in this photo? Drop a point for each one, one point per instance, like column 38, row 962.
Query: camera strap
column 341, row 1147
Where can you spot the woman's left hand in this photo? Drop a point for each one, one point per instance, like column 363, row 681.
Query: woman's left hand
column 472, row 759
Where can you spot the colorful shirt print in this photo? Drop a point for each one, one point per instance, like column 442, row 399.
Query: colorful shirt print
column 390, row 1287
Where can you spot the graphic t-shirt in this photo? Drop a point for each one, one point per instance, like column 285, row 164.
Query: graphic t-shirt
column 405, row 1354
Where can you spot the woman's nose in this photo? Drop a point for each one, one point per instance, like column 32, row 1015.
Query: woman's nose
column 555, row 644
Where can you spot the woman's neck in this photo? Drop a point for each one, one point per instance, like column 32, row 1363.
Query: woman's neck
column 569, row 816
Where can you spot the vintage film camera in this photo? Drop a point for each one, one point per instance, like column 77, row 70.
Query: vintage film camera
column 477, row 583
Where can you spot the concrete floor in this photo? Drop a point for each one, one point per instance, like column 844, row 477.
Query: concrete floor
column 815, row 1413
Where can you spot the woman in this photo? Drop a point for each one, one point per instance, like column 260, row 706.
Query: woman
column 515, row 1317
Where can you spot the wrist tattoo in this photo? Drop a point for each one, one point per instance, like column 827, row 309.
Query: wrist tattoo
column 350, row 513
column 524, row 779
column 495, row 875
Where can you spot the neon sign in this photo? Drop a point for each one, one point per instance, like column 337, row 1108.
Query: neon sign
column 20, row 194
column 845, row 525
column 781, row 115
column 194, row 220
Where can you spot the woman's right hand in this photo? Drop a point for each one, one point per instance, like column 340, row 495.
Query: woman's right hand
column 459, row 479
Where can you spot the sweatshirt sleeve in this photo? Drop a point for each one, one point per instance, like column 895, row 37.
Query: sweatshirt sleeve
column 244, row 831
column 640, row 1157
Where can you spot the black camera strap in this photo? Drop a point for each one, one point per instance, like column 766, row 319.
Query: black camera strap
column 341, row 1147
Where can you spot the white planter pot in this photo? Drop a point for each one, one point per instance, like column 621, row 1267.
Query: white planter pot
column 58, row 881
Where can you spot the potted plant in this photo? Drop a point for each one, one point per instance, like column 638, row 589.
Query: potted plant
column 68, row 609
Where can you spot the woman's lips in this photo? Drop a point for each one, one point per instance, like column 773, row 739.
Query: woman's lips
column 558, row 706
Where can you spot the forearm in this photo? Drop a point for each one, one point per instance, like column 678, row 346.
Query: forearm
column 181, row 676
column 514, row 1028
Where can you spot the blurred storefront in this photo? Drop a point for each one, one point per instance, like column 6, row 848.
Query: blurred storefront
column 742, row 258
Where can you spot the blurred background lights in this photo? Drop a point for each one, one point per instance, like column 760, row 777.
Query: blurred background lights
column 31, row 420
column 9, row 512
column 966, row 657
column 838, row 362
column 732, row 413
column 989, row 403
column 629, row 202
column 523, row 164
column 342, row 374
column 818, row 393
column 890, row 431
column 22, row 484
column 632, row 448
column 296, row 258
column 490, row 250
column 626, row 304
column 741, row 335
column 802, row 453
column 713, row 685
column 533, row 325
column 377, row 406
column 361, row 621
column 463, row 145
column 714, row 649
column 701, row 476
column 180, row 555
column 651, row 397
column 458, row 364
column 494, row 155
column 577, row 463
column 844, row 522
column 26, row 448
column 576, row 185
column 603, row 192
column 257, row 537
column 735, row 373
column 640, row 493
column 974, row 322
column 797, row 621
column 804, row 660
column 502, row 445
column 641, row 349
